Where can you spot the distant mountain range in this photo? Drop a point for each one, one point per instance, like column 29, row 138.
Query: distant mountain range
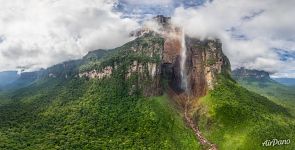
column 260, row 75
column 7, row 77
column 250, row 75
column 260, row 82
column 286, row 81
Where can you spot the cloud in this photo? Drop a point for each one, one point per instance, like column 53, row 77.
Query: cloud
column 148, row 2
column 288, row 74
column 251, row 31
column 42, row 33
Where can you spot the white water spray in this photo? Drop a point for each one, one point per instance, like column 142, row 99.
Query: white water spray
column 184, row 85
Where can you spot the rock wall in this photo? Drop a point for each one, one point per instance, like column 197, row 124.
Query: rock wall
column 205, row 61
column 106, row 72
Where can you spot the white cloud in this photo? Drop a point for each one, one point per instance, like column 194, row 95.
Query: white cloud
column 148, row 2
column 40, row 33
column 265, row 25
column 289, row 74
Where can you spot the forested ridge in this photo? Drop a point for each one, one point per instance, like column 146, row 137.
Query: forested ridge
column 61, row 110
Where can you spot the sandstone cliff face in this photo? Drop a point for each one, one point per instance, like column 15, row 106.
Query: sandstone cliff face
column 157, row 63
column 105, row 72
column 139, row 62
column 204, row 61
column 147, row 68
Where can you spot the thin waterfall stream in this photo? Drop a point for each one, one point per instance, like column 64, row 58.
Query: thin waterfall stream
column 184, row 85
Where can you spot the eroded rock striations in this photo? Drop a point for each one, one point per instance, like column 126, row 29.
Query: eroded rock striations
column 205, row 60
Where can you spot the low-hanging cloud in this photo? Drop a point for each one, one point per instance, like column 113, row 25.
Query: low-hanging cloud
column 253, row 32
column 40, row 33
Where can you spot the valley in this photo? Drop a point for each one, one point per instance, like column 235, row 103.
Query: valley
column 278, row 93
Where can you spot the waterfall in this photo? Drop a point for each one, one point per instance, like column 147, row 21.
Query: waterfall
column 183, row 74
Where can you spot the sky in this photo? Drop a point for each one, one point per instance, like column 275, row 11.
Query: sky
column 36, row 34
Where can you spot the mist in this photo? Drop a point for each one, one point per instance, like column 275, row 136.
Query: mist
column 253, row 33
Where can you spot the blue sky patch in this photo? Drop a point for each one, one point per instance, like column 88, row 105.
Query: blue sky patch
column 285, row 55
column 140, row 12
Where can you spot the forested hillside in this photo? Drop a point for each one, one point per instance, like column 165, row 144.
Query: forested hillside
column 82, row 113
column 96, row 114
column 235, row 118
column 278, row 93
column 121, row 99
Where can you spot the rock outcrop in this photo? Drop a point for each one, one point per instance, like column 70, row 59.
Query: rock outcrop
column 204, row 61
column 249, row 74
column 138, row 62
column 106, row 72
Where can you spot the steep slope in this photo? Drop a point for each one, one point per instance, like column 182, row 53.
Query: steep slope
column 68, row 69
column 98, row 113
column 235, row 118
column 281, row 94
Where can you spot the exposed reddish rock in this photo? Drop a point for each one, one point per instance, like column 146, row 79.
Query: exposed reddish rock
column 204, row 61
column 172, row 48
